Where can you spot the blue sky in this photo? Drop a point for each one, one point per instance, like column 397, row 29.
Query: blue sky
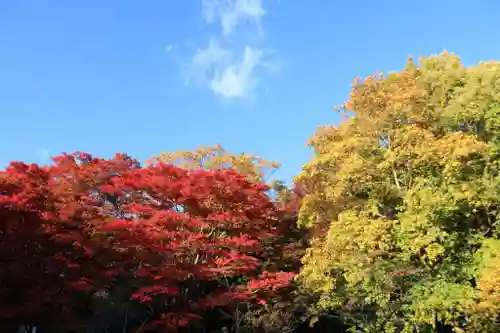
column 141, row 77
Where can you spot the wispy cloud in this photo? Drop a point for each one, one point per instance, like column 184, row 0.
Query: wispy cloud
column 226, row 75
column 238, row 79
column 231, row 13
column 231, row 62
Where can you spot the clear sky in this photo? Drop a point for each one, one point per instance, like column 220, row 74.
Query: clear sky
column 141, row 77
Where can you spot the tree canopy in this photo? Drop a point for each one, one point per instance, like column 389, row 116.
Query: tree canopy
column 217, row 158
column 399, row 210
column 408, row 189
column 90, row 231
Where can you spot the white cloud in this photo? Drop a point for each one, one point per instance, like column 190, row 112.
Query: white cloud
column 226, row 74
column 238, row 78
column 212, row 55
column 230, row 13
column 230, row 66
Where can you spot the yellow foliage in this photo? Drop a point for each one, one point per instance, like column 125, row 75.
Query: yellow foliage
column 215, row 157
column 409, row 188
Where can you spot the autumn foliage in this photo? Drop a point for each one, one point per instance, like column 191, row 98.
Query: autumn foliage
column 392, row 227
column 407, row 188
column 182, row 241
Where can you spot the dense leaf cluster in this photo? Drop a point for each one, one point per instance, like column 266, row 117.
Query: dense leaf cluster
column 88, row 234
column 408, row 189
column 400, row 208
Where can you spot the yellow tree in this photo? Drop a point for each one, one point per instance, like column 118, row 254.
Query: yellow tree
column 408, row 191
column 215, row 157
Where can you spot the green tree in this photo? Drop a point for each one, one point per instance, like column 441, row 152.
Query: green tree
column 408, row 189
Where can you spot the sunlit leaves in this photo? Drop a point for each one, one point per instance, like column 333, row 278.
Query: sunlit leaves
column 181, row 240
column 407, row 188
column 216, row 158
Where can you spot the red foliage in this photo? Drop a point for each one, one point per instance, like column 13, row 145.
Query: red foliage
column 47, row 245
column 190, row 240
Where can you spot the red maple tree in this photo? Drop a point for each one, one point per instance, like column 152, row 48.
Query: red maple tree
column 181, row 241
